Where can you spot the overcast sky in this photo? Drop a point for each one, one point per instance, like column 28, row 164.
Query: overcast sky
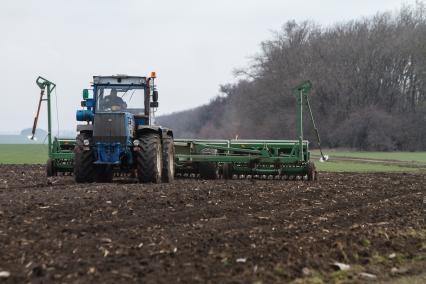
column 193, row 45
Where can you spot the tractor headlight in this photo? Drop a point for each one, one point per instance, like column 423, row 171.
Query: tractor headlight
column 136, row 143
column 86, row 142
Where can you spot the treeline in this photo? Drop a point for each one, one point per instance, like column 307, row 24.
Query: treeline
column 369, row 86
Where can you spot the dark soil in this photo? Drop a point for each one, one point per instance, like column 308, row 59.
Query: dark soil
column 194, row 231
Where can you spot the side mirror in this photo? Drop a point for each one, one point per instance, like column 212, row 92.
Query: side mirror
column 155, row 96
column 85, row 94
column 153, row 104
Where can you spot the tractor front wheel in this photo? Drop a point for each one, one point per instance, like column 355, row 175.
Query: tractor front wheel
column 149, row 158
column 83, row 160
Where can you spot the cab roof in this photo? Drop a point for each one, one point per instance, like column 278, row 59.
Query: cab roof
column 119, row 79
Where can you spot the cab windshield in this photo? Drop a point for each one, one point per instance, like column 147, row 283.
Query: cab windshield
column 119, row 99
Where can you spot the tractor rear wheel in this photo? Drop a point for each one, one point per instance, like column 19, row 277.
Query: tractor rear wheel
column 83, row 160
column 149, row 158
column 208, row 170
column 168, row 159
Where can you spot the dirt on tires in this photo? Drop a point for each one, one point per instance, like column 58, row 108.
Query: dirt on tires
column 53, row 230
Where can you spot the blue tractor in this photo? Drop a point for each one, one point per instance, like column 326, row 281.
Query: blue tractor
column 118, row 135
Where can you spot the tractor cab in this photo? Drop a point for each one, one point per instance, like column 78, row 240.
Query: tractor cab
column 127, row 97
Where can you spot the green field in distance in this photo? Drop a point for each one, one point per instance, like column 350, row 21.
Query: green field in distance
column 23, row 153
column 340, row 161
column 419, row 157
column 357, row 161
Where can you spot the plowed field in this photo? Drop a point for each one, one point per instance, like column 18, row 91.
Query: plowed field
column 194, row 231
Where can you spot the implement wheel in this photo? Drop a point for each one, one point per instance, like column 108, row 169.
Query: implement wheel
column 50, row 168
column 168, row 159
column 312, row 173
column 227, row 171
column 149, row 159
column 83, row 160
column 208, row 170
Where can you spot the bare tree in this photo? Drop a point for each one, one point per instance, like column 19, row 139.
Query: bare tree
column 369, row 80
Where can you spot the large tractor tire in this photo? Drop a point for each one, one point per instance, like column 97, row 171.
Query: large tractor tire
column 168, row 159
column 149, row 158
column 208, row 170
column 84, row 171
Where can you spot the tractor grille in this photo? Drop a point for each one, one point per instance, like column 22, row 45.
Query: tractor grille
column 109, row 128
